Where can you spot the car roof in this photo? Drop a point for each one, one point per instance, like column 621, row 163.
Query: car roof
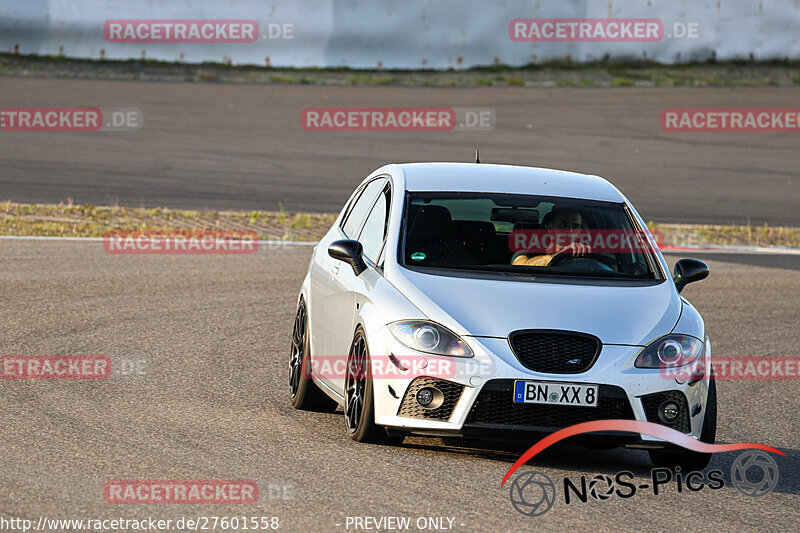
column 483, row 177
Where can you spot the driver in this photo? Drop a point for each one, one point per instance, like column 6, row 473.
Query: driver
column 557, row 221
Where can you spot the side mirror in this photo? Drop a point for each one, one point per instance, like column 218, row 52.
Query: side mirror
column 349, row 251
column 688, row 271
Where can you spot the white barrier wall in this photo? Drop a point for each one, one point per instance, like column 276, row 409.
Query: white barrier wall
column 404, row 33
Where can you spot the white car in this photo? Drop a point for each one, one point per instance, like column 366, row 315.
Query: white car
column 436, row 306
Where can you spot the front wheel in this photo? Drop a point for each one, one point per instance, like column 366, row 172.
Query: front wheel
column 303, row 392
column 689, row 460
column 359, row 403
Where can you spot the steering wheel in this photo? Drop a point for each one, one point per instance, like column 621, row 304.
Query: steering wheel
column 590, row 261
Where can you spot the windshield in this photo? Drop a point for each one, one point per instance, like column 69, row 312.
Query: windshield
column 525, row 235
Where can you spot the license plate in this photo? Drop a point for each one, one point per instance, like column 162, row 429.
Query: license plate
column 555, row 393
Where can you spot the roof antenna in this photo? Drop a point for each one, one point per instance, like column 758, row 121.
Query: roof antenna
column 477, row 157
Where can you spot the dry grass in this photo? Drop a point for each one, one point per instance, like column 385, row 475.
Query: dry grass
column 547, row 74
column 684, row 234
column 68, row 220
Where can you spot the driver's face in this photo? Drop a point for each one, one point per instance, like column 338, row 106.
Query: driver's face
column 570, row 222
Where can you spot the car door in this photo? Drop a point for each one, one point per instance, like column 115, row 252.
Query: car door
column 327, row 300
column 347, row 285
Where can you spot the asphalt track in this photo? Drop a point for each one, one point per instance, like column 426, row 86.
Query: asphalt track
column 212, row 403
column 225, row 146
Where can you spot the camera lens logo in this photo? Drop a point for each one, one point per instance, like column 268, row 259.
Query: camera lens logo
column 601, row 487
column 754, row 473
column 533, row 493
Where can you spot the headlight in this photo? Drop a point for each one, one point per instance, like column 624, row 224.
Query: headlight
column 429, row 337
column 670, row 351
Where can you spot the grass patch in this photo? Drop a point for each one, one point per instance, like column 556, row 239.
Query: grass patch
column 303, row 221
column 622, row 82
column 745, row 235
column 385, row 80
column 201, row 76
column 68, row 220
column 358, row 80
column 716, row 81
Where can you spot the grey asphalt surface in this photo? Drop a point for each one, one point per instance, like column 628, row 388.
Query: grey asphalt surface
column 212, row 404
column 224, row 146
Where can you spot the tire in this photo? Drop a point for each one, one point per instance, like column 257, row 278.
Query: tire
column 692, row 461
column 359, row 403
column 303, row 392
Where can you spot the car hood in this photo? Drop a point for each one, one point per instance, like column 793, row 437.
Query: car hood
column 617, row 313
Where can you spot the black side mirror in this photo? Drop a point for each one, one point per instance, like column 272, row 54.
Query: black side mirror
column 687, row 271
column 349, row 251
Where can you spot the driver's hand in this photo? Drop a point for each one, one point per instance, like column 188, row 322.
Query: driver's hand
column 576, row 249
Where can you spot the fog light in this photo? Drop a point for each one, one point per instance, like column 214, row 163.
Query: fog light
column 668, row 412
column 425, row 396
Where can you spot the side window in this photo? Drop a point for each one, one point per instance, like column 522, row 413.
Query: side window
column 374, row 232
column 361, row 207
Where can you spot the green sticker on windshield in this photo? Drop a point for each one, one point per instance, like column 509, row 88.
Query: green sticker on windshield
column 418, row 256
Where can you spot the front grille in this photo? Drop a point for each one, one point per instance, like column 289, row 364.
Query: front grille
column 555, row 352
column 651, row 403
column 495, row 406
column 411, row 408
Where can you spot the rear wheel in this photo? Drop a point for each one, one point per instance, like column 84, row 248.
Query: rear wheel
column 688, row 460
column 359, row 412
column 303, row 392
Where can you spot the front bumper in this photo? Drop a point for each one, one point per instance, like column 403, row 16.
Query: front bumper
column 480, row 400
